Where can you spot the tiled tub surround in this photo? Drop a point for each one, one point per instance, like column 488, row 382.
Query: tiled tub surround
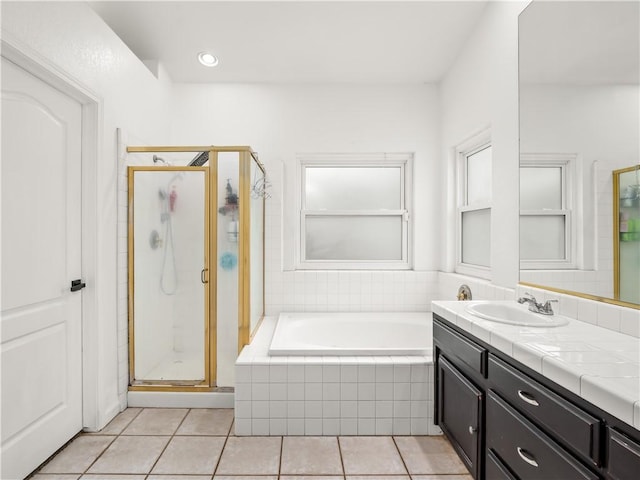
column 597, row 364
column 331, row 395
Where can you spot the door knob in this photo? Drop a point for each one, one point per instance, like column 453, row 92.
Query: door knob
column 77, row 285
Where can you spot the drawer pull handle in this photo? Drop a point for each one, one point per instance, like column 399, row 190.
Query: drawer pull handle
column 527, row 457
column 472, row 430
column 527, row 397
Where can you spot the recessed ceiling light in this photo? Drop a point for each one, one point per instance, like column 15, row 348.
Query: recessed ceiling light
column 207, row 59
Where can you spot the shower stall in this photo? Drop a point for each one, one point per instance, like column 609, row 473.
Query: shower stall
column 196, row 264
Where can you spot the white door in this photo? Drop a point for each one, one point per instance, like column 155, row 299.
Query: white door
column 41, row 318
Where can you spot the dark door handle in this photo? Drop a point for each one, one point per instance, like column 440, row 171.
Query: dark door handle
column 77, row 285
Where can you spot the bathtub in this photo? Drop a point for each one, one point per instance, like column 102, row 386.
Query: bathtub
column 349, row 334
column 337, row 374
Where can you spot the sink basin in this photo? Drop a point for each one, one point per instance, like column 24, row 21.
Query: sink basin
column 514, row 314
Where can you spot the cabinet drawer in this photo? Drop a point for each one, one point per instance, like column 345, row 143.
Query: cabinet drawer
column 495, row 469
column 624, row 456
column 455, row 345
column 558, row 416
column 526, row 450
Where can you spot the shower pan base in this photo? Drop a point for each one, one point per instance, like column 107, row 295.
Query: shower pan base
column 219, row 397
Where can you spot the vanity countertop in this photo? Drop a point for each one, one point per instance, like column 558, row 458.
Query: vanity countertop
column 599, row 365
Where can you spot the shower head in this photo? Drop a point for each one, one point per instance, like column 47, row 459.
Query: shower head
column 157, row 159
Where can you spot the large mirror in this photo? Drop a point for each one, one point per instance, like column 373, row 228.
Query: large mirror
column 579, row 71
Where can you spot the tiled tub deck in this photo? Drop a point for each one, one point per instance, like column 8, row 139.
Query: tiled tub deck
column 331, row 395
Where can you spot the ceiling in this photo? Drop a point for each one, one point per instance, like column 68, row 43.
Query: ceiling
column 580, row 43
column 297, row 41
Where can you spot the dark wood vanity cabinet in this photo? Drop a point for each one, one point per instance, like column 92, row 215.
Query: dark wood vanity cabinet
column 509, row 423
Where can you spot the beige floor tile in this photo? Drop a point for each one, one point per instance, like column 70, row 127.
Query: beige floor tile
column 250, row 456
column 429, row 455
column 112, row 477
column 156, row 421
column 245, row 477
column 310, row 456
column 179, row 477
column 324, row 477
column 135, row 454
column 78, row 455
column 190, row 456
column 120, row 422
column 54, row 476
column 370, row 456
column 427, row 444
column 207, row 421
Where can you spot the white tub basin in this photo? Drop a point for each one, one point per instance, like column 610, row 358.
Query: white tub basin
column 514, row 314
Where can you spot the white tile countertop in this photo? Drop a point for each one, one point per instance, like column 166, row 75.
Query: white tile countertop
column 599, row 365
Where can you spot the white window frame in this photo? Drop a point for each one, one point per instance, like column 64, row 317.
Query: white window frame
column 474, row 144
column 567, row 164
column 402, row 160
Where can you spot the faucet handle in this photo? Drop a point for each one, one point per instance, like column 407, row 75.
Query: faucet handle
column 527, row 297
column 547, row 307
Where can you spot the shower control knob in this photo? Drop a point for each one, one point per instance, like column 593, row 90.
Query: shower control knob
column 77, row 285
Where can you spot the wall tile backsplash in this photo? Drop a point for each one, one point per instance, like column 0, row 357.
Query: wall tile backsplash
column 612, row 317
column 358, row 291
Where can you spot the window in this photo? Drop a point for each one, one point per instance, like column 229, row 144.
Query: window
column 474, row 207
column 545, row 206
column 354, row 211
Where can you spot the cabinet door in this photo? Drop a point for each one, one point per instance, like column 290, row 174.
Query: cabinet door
column 459, row 413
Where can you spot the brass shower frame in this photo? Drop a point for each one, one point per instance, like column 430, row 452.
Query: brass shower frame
column 246, row 155
column 616, row 228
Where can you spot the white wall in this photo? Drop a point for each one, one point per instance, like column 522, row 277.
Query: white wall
column 72, row 39
column 481, row 91
column 280, row 121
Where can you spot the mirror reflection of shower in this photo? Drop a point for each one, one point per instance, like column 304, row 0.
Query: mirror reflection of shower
column 157, row 159
column 168, row 201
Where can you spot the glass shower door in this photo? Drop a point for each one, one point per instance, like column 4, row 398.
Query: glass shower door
column 168, row 275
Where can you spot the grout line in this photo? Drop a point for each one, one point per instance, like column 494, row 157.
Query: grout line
column 224, row 445
column 393, row 439
column 280, row 460
column 344, row 472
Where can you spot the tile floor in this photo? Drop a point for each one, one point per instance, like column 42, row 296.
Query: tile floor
column 199, row 444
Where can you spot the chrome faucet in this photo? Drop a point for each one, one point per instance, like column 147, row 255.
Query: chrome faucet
column 534, row 306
